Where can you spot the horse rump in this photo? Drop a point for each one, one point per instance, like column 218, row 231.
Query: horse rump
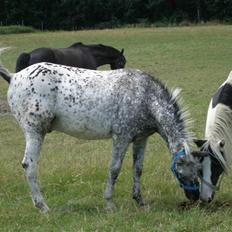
column 22, row 61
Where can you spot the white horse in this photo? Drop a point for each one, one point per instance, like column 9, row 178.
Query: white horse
column 217, row 146
column 125, row 105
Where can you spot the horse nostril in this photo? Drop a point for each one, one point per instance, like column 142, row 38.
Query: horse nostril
column 210, row 199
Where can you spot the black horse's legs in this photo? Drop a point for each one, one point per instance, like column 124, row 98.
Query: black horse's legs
column 120, row 146
column 138, row 157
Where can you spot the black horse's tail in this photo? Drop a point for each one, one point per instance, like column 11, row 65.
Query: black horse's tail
column 5, row 74
column 22, row 61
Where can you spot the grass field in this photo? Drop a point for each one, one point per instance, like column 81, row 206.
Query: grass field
column 72, row 172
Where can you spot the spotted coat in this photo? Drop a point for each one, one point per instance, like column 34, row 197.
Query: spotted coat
column 125, row 105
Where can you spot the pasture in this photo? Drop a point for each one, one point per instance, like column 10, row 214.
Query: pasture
column 73, row 172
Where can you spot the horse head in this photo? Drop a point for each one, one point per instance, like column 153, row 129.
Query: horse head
column 119, row 61
column 186, row 168
column 211, row 157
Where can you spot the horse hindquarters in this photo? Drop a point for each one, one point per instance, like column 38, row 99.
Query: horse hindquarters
column 35, row 119
column 33, row 146
column 34, row 132
column 22, row 62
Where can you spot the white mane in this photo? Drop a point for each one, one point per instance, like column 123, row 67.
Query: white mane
column 185, row 117
column 222, row 130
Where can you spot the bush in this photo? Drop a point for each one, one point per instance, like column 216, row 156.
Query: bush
column 14, row 29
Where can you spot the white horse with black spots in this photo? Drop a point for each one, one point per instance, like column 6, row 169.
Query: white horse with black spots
column 125, row 105
column 217, row 146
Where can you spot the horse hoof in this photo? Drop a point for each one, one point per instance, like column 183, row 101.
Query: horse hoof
column 42, row 207
column 142, row 204
column 139, row 201
column 45, row 209
column 110, row 206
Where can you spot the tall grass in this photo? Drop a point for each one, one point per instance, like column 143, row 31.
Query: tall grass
column 72, row 172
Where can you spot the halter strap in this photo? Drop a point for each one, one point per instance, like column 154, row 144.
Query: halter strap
column 178, row 155
column 213, row 187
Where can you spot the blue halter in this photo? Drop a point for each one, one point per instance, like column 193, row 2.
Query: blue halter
column 176, row 157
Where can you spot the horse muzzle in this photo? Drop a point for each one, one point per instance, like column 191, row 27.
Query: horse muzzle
column 192, row 195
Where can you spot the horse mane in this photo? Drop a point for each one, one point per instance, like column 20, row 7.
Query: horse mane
column 76, row 45
column 183, row 115
column 222, row 130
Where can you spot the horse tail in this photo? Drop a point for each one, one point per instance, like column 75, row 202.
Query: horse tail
column 5, row 74
column 3, row 71
column 22, row 61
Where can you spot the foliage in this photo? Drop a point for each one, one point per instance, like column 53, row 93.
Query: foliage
column 15, row 29
column 78, row 14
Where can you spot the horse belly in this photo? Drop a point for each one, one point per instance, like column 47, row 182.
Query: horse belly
column 82, row 126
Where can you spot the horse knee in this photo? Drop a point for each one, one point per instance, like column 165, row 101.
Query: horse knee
column 115, row 170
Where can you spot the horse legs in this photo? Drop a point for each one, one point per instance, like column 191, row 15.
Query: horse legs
column 138, row 157
column 118, row 152
column 33, row 145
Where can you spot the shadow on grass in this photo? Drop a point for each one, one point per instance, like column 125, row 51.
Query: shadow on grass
column 209, row 207
column 77, row 206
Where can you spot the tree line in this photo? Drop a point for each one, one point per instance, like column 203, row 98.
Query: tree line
column 78, row 14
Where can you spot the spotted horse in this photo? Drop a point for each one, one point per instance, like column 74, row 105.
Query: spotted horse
column 125, row 105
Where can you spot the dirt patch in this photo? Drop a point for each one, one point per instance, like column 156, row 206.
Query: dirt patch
column 4, row 107
column 186, row 205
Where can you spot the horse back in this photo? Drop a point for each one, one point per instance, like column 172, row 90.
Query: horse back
column 221, row 101
column 75, row 57
column 224, row 94
column 42, row 55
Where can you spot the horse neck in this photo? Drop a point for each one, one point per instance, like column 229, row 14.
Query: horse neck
column 103, row 55
column 175, row 138
column 173, row 122
column 220, row 127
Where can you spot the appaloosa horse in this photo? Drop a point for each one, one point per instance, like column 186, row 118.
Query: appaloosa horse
column 125, row 105
column 217, row 146
column 77, row 55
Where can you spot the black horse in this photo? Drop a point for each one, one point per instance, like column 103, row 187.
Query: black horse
column 77, row 55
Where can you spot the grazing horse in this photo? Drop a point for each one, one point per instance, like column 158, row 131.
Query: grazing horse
column 216, row 148
column 77, row 55
column 125, row 105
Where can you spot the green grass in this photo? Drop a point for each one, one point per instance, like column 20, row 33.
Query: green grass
column 72, row 172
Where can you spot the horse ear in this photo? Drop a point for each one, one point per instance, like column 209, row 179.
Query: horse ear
column 199, row 142
column 222, row 143
column 122, row 51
